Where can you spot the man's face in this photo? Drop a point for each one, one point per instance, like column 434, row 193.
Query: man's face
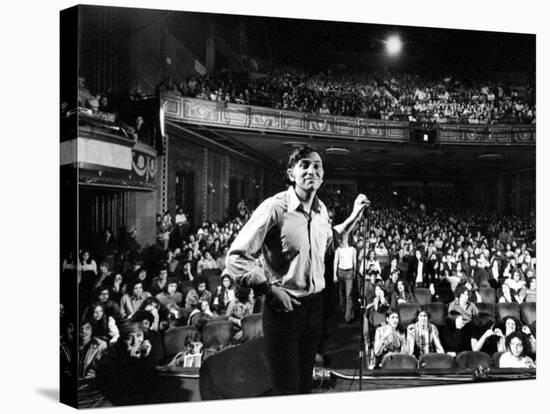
column 201, row 287
column 307, row 173
column 104, row 296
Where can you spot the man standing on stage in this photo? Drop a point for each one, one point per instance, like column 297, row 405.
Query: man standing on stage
column 292, row 231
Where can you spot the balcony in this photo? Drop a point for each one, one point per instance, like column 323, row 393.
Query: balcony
column 235, row 116
column 107, row 155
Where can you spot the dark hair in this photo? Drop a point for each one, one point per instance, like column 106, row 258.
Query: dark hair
column 148, row 301
column 460, row 289
column 297, row 155
column 522, row 338
column 484, row 320
column 141, row 314
column 422, row 309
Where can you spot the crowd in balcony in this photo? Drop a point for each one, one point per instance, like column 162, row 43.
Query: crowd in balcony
column 473, row 266
column 407, row 97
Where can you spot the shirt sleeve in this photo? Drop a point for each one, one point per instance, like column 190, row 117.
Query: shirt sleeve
column 241, row 259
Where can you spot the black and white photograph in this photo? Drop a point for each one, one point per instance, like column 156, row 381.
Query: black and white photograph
column 286, row 208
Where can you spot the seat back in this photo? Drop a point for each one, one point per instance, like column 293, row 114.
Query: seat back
column 252, row 326
column 237, row 372
column 488, row 295
column 528, row 312
column 445, row 295
column 211, row 272
column 496, row 359
column 508, row 309
column 436, row 361
column 376, row 319
column 487, row 308
column 217, row 333
column 399, row 362
column 213, row 280
column 473, row 360
column 422, row 296
column 407, row 313
column 175, row 339
column 437, row 312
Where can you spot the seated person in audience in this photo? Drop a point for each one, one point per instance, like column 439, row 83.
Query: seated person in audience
column 239, row 308
column 388, row 338
column 485, row 336
column 377, row 303
column 509, row 325
column 127, row 372
column 103, row 274
column 171, row 317
column 389, row 270
column 531, row 290
column 158, row 283
column 103, row 326
column 90, row 350
column 517, row 286
column 132, row 300
column 224, row 295
column 455, row 335
column 507, row 295
column 152, row 304
column 441, row 288
column 200, row 314
column 401, row 295
column 204, row 294
column 170, row 293
column 146, row 320
column 515, row 356
column 390, row 285
column 206, row 262
column 102, row 295
column 116, row 288
column 463, row 305
column 423, row 336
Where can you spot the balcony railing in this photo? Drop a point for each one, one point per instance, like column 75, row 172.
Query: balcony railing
column 235, row 116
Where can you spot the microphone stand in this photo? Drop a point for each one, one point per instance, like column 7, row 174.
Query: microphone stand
column 362, row 301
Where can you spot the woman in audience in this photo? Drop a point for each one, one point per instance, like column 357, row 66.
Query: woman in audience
column 225, row 293
column 507, row 295
column 104, row 326
column 206, row 262
column 423, row 336
column 531, row 290
column 152, row 304
column 401, row 295
column 515, row 355
column 388, row 338
column 86, row 263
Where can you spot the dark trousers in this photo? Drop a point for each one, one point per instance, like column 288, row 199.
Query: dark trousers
column 291, row 340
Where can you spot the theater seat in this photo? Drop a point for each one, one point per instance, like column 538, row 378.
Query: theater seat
column 508, row 309
column 376, row 319
column 488, row 295
column 437, row 312
column 445, row 295
column 422, row 296
column 407, row 313
column 213, row 281
column 473, row 359
column 436, row 361
column 528, row 312
column 399, row 362
column 496, row 359
column 487, row 308
column 237, row 372
column 252, row 326
column 176, row 338
column 211, row 272
column 217, row 333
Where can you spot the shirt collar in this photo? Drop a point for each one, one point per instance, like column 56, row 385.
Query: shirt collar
column 294, row 202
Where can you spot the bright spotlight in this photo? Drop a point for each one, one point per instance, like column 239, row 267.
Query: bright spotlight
column 393, row 45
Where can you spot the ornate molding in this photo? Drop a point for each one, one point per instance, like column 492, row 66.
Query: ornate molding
column 221, row 114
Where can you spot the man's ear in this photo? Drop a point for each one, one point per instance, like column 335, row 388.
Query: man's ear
column 289, row 175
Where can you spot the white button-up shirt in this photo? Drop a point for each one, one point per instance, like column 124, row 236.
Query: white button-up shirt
column 293, row 244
